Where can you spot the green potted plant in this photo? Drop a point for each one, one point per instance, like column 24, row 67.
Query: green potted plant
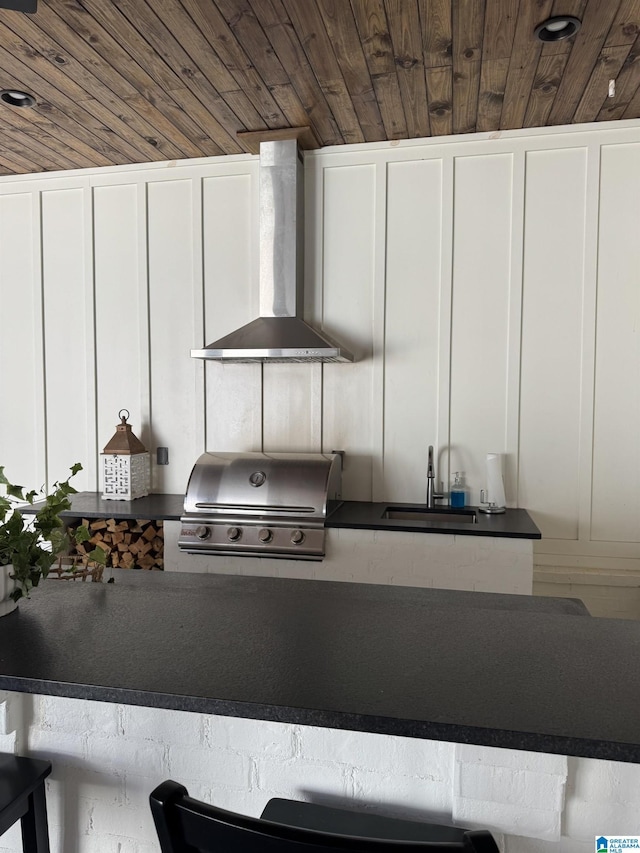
column 31, row 542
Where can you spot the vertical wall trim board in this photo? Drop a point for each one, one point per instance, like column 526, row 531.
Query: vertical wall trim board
column 39, row 346
column 378, row 331
column 443, row 398
column 255, row 242
column 145, row 320
column 320, row 414
column 316, row 238
column 92, row 358
column 314, row 283
column 261, row 367
column 255, row 290
column 144, row 286
column 514, row 329
column 200, row 391
column 588, row 342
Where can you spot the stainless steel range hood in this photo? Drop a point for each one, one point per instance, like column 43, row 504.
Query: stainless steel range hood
column 279, row 334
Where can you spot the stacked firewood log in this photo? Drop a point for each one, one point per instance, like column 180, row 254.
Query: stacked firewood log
column 128, row 543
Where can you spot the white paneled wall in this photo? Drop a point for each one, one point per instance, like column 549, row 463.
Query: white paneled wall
column 121, row 309
column 415, row 288
column 616, row 440
column 230, row 301
column 482, row 284
column 174, row 293
column 552, row 320
column 351, row 407
column 68, row 331
column 488, row 285
column 22, row 423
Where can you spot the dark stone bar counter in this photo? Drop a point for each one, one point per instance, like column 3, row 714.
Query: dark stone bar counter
column 498, row 670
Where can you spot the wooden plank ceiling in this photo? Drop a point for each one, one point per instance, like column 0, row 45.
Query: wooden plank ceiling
column 132, row 81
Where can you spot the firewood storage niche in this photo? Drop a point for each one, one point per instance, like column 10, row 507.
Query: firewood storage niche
column 129, row 543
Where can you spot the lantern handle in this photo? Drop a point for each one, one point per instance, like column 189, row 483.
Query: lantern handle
column 123, row 418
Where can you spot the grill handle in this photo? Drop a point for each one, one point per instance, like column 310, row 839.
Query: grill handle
column 261, row 508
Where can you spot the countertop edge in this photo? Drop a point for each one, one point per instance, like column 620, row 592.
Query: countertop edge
column 408, row 528
column 449, row 732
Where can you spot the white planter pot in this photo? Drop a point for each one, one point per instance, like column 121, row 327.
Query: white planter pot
column 7, row 604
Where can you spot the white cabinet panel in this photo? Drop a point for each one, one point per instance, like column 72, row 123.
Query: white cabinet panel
column 616, row 451
column 121, row 328
column 175, row 403
column 552, row 339
column 348, row 276
column 68, row 338
column 480, row 313
column 233, row 391
column 412, row 328
column 21, row 367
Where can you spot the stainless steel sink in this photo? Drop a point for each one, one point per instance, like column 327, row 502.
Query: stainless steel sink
column 430, row 515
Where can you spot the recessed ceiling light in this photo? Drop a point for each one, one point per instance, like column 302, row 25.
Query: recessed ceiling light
column 17, row 99
column 557, row 28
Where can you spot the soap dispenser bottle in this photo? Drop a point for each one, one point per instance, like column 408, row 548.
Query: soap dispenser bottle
column 457, row 494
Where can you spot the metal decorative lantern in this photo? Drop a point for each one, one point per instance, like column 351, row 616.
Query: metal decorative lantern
column 126, row 465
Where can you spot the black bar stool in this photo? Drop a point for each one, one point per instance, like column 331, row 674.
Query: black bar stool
column 22, row 797
column 185, row 824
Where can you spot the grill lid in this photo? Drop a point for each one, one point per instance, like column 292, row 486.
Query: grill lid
column 264, row 504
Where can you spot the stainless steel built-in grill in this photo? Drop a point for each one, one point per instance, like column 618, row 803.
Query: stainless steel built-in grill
column 260, row 504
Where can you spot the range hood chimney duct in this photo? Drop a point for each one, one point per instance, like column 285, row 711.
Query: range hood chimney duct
column 279, row 334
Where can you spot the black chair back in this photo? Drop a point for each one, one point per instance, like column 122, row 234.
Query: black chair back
column 185, row 825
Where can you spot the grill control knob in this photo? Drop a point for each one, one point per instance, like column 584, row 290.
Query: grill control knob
column 203, row 532
column 234, row 533
column 297, row 537
column 265, row 535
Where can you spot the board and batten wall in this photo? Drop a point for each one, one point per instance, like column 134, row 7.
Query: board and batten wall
column 489, row 285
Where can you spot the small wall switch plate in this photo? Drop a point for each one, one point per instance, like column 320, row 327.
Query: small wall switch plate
column 162, row 455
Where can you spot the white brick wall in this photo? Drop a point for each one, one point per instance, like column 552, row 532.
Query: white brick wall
column 108, row 758
column 518, row 792
column 604, row 799
column 11, row 721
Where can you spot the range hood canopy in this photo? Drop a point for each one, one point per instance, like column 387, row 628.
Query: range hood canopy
column 279, row 334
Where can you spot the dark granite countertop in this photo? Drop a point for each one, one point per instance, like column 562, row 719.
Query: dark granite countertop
column 500, row 670
column 91, row 505
column 363, row 515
